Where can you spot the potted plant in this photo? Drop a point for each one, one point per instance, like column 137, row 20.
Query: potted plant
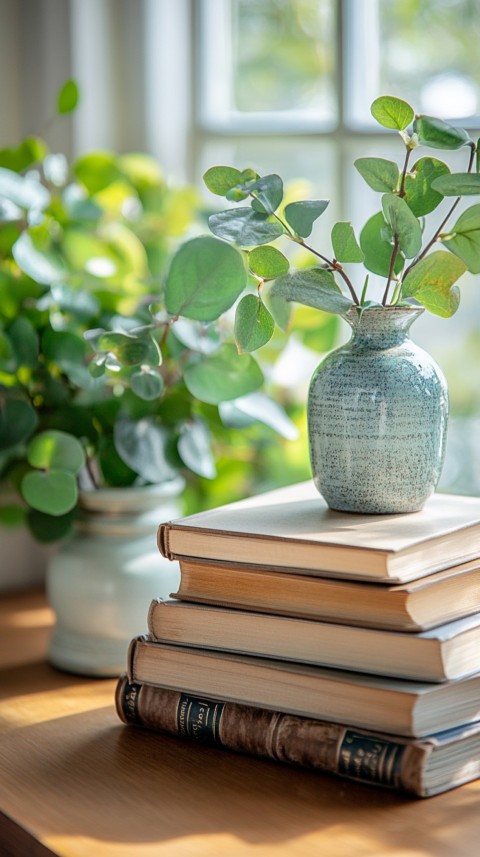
column 115, row 360
column 378, row 406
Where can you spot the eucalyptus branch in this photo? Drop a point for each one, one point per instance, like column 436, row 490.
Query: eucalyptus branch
column 401, row 193
column 445, row 220
column 390, row 271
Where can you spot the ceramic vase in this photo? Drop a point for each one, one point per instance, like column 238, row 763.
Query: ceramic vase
column 100, row 583
column 377, row 417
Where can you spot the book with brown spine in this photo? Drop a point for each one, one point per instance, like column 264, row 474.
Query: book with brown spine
column 422, row 767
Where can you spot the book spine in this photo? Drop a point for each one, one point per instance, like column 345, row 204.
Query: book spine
column 356, row 754
column 163, row 544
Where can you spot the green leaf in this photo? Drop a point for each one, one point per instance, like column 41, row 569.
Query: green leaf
column 56, row 450
column 345, row 245
column 420, row 193
column 260, row 408
column 223, row 376
column 32, row 150
column 64, row 348
column 54, row 492
column 97, row 170
column 206, row 277
column 244, row 227
column 67, row 98
column 268, row 192
column 403, row 223
column 220, row 180
column 24, row 340
column 47, row 529
column 379, row 174
column 127, row 349
column 197, row 336
column 18, row 420
column 439, row 134
column 267, row 262
column 392, row 112
column 313, row 287
column 12, row 516
column 195, row 449
column 464, row 238
column 24, row 191
column 44, row 268
column 254, row 325
column 376, row 250
column 142, row 445
column 431, row 283
column 458, row 184
column 147, row 384
column 302, row 215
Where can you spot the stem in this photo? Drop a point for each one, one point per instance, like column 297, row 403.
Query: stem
column 393, row 257
column 445, row 219
column 332, row 265
column 390, row 271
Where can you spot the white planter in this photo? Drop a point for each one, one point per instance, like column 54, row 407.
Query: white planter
column 100, row 583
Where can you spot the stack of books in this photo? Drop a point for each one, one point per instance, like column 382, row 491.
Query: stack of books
column 341, row 642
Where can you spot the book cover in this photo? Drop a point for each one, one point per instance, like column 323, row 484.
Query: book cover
column 415, row 606
column 422, row 767
column 293, row 528
column 448, row 652
column 397, row 706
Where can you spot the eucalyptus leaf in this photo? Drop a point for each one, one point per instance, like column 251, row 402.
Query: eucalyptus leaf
column 97, row 170
column 392, row 112
column 147, row 384
column 24, row 340
column 263, row 409
column 267, row 262
column 56, row 450
column 23, row 191
column 421, row 194
column 47, row 528
column 67, row 98
column 267, row 192
column 302, row 215
column 43, row 267
column 403, row 223
column 458, row 184
column 244, row 227
column 379, row 174
column 54, row 492
column 431, row 283
column 64, row 348
column 377, row 251
column 220, row 180
column 18, row 420
column 464, row 238
column 206, row 277
column 197, row 336
column 195, row 449
column 127, row 349
column 344, row 243
column 439, row 134
column 313, row 287
column 254, row 326
column 30, row 151
column 142, row 445
column 223, row 376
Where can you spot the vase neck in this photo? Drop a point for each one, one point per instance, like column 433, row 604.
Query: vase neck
column 381, row 327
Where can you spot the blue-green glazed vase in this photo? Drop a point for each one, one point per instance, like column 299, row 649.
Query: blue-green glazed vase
column 377, row 417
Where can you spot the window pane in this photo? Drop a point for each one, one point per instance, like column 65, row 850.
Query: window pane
column 283, row 55
column 430, row 54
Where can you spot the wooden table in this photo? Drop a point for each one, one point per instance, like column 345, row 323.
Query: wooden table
column 75, row 781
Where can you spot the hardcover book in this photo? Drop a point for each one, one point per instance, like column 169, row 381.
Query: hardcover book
column 421, row 604
column 449, row 652
column 293, row 529
column 364, row 700
column 423, row 767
